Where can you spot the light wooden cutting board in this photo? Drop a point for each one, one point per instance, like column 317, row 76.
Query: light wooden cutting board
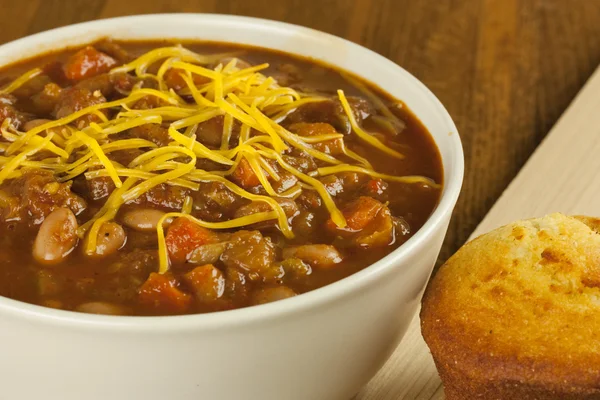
column 563, row 174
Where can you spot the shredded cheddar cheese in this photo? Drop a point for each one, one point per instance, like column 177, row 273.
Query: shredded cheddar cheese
column 402, row 179
column 361, row 133
column 20, row 81
column 250, row 104
column 233, row 223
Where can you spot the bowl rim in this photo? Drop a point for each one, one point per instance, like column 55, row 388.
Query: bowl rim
column 297, row 304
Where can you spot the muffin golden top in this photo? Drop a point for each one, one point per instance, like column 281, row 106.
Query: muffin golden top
column 521, row 303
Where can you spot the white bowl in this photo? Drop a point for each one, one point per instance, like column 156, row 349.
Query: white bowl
column 325, row 344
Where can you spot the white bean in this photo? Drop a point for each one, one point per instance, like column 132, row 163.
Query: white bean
column 111, row 237
column 56, row 238
column 207, row 253
column 269, row 295
column 317, row 255
column 241, row 64
column 144, row 219
column 101, row 307
column 34, row 123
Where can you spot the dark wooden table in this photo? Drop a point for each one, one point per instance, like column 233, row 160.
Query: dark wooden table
column 505, row 69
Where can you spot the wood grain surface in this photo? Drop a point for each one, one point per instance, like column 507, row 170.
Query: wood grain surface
column 505, row 69
column 542, row 186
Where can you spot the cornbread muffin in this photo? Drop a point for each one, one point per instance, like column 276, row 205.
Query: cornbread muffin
column 515, row 314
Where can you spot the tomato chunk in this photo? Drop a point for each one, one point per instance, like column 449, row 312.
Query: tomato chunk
column 358, row 214
column 333, row 147
column 184, row 236
column 380, row 232
column 207, row 283
column 244, row 175
column 161, row 292
column 86, row 63
column 376, row 187
column 369, row 223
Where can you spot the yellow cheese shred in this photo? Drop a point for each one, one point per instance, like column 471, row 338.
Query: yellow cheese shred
column 111, row 205
column 233, row 223
column 240, row 101
column 361, row 133
column 134, row 96
column 95, row 147
column 148, row 184
column 198, row 148
column 14, row 163
column 336, row 215
column 392, row 178
column 282, row 218
column 20, row 81
column 188, row 204
column 126, row 124
column 262, row 121
column 141, row 64
column 375, row 100
column 227, row 128
column 136, row 173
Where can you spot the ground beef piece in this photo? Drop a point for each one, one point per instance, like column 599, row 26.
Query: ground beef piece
column 331, row 112
column 309, row 199
column 290, row 208
column 249, row 251
column 114, row 50
column 7, row 110
column 75, row 99
column 46, row 100
column 286, row 181
column 149, row 102
column 136, row 263
column 163, row 196
column 54, row 71
column 300, row 160
column 124, row 157
column 377, row 188
column 343, row 185
column 152, row 132
column 110, row 85
column 236, row 285
column 213, row 201
column 99, row 188
column 32, row 86
column 210, row 132
column 36, row 194
column 93, row 189
column 118, row 281
column 332, row 184
column 10, row 206
column 209, row 165
column 174, row 80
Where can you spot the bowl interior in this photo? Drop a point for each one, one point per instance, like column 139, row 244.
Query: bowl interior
column 291, row 39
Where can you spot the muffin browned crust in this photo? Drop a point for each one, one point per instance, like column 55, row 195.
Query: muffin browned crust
column 515, row 314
